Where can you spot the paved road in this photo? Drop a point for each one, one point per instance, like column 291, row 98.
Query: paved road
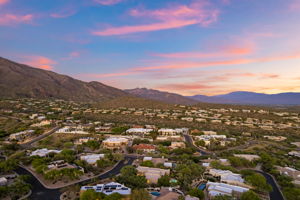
column 28, row 144
column 39, row 192
column 275, row 194
column 189, row 140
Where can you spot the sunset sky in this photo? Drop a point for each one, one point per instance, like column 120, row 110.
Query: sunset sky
column 184, row 46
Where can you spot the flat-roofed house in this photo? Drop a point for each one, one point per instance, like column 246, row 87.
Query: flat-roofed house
column 21, row 135
column 108, row 188
column 43, row 152
column 227, row 176
column 152, row 174
column 91, row 158
column 115, row 142
column 147, row 148
column 249, row 157
column 215, row 189
column 139, row 131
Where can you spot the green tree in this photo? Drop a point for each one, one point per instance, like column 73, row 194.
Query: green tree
column 93, row 144
column 114, row 196
column 249, row 195
column 147, row 163
column 259, row 182
column 164, row 181
column 8, row 165
column 292, row 193
column 90, row 195
column 140, row 194
column 267, row 162
column 195, row 192
column 185, row 173
column 130, row 178
column 223, row 197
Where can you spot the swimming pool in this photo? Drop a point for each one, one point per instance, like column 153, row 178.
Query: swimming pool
column 155, row 194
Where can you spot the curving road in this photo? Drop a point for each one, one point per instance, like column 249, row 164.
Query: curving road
column 189, row 140
column 276, row 193
column 39, row 192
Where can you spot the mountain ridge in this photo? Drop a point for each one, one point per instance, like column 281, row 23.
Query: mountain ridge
column 163, row 96
column 19, row 80
column 251, row 98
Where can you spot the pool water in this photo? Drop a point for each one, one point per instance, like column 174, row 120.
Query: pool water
column 155, row 194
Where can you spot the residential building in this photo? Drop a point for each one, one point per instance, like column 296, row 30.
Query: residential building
column 43, row 152
column 291, row 172
column 146, row 148
column 175, row 145
column 108, row 188
column 139, row 131
column 61, row 164
column 115, row 142
column 227, row 176
column 294, row 153
column 83, row 140
column 21, row 135
column 103, row 129
column 72, row 130
column 248, row 157
column 91, row 158
column 3, row 181
column 215, row 189
column 152, row 174
column 275, row 138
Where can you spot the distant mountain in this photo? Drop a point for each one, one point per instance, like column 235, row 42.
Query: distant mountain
column 251, row 98
column 18, row 80
column 161, row 96
column 134, row 102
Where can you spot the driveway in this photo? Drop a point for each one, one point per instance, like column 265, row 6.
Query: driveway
column 275, row 194
column 39, row 192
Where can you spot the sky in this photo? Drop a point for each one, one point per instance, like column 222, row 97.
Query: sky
column 188, row 47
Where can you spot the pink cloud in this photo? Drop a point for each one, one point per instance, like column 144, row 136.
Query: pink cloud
column 108, row 2
column 223, row 52
column 110, row 74
column 295, row 5
column 74, row 54
column 178, row 16
column 66, row 12
column 142, row 28
column 11, row 19
column 2, row 2
column 185, row 65
column 184, row 87
column 39, row 62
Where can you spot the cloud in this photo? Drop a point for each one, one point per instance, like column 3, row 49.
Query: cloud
column 185, row 65
column 295, row 5
column 142, row 28
column 223, row 52
column 108, row 2
column 117, row 74
column 178, row 16
column 39, row 62
column 2, row 2
column 184, row 87
column 66, row 12
column 11, row 19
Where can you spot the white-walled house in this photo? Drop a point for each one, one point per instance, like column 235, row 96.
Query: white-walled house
column 108, row 188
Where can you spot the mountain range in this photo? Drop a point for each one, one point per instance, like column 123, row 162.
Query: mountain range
column 19, row 80
column 251, row 98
